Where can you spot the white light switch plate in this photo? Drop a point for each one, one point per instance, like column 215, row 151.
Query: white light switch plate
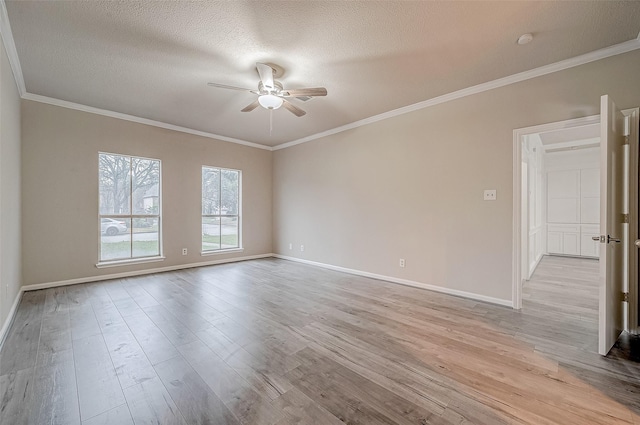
column 490, row 195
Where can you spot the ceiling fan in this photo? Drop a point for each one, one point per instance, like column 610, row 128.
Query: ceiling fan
column 271, row 94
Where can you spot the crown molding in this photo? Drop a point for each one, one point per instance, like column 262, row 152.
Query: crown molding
column 9, row 43
column 604, row 53
column 12, row 53
column 133, row 118
column 10, row 47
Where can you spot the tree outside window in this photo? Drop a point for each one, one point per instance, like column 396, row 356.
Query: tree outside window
column 129, row 197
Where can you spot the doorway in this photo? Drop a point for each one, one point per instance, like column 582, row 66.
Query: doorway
column 534, row 236
column 561, row 194
column 560, row 211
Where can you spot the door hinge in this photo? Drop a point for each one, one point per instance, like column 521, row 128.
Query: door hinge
column 625, row 297
column 625, row 218
column 626, row 140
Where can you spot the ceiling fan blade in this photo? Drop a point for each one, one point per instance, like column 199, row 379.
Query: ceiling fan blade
column 224, row 86
column 292, row 108
column 266, row 75
column 251, row 107
column 311, row 92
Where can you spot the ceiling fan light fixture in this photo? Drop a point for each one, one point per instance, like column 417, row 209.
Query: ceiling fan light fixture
column 270, row 101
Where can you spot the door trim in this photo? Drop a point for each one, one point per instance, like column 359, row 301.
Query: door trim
column 634, row 252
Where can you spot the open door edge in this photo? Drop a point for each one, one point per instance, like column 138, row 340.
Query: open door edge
column 634, row 209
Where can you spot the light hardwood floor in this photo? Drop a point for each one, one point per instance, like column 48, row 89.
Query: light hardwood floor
column 277, row 342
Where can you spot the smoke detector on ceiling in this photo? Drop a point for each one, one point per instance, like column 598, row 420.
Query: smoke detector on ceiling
column 525, row 39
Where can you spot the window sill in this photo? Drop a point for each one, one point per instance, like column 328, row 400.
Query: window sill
column 129, row 262
column 221, row 251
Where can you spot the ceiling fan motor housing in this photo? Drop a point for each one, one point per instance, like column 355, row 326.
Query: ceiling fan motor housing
column 277, row 89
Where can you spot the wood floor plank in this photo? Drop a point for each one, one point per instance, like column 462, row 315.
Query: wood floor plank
column 98, row 386
column 242, row 398
column 276, row 342
column 150, row 404
column 56, row 301
column 20, row 349
column 173, row 329
column 218, row 342
column 107, row 315
column 55, row 335
column 127, row 307
column 345, row 381
column 117, row 416
column 197, row 402
column 83, row 321
column 155, row 344
column 129, row 360
column 55, row 398
column 16, row 389
column 301, row 410
column 141, row 297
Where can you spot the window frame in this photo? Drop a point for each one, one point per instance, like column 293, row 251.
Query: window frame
column 221, row 250
column 131, row 217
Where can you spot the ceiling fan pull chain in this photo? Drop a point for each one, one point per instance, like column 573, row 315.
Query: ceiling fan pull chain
column 270, row 121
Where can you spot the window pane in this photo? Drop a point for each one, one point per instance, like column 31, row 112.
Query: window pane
column 210, row 233
column 229, row 228
column 114, row 181
column 145, row 186
column 115, row 238
column 146, row 237
column 229, row 181
column 210, row 191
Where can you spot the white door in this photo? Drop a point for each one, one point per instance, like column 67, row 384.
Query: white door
column 612, row 128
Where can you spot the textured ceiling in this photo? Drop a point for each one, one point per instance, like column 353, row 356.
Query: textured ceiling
column 153, row 59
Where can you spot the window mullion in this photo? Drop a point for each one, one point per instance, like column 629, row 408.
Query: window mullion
column 220, row 209
column 131, row 207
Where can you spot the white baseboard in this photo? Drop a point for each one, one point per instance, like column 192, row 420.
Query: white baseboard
column 9, row 321
column 10, row 317
column 535, row 266
column 46, row 285
column 435, row 288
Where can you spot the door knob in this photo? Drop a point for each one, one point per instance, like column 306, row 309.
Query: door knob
column 638, row 243
column 597, row 239
column 610, row 239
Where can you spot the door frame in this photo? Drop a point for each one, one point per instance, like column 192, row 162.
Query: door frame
column 634, row 211
column 517, row 252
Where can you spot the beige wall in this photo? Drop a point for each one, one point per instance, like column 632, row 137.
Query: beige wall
column 10, row 279
column 60, row 190
column 412, row 186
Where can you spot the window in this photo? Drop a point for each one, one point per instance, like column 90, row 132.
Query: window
column 129, row 207
column 220, row 209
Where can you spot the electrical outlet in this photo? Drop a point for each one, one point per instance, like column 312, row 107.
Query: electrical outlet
column 184, row 251
column 290, row 246
column 301, row 248
column 402, row 262
column 490, row 195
